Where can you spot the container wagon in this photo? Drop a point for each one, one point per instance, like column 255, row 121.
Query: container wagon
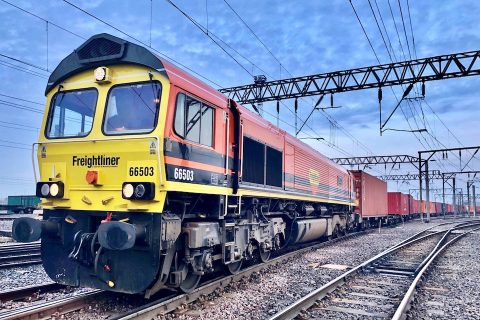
column 371, row 194
column 398, row 204
column 22, row 204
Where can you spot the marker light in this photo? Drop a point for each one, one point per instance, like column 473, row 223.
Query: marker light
column 54, row 190
column 45, row 189
column 127, row 190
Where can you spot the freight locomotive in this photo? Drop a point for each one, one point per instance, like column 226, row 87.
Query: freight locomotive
column 150, row 178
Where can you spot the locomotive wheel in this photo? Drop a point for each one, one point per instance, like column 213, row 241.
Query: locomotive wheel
column 234, row 268
column 336, row 232
column 264, row 255
column 190, row 283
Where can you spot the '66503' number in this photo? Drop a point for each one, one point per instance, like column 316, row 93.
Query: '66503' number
column 183, row 174
column 140, row 171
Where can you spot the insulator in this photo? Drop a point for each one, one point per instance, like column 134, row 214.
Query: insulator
column 331, row 100
column 380, row 94
column 278, row 106
column 296, row 105
column 423, row 88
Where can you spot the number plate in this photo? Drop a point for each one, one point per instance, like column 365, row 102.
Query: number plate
column 183, row 174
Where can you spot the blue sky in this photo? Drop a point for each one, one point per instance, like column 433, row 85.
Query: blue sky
column 307, row 37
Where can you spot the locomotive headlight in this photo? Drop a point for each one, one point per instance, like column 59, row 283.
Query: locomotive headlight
column 54, row 190
column 127, row 190
column 45, row 189
column 139, row 191
column 100, row 74
column 50, row 189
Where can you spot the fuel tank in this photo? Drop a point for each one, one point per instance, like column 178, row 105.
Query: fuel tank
column 309, row 230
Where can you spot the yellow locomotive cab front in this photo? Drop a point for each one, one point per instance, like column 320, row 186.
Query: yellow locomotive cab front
column 101, row 169
column 92, row 153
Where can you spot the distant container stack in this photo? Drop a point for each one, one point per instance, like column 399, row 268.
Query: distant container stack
column 25, row 203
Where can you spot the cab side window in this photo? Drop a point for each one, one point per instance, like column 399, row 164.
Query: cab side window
column 193, row 120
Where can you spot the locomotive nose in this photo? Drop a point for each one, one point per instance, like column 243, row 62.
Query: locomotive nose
column 26, row 229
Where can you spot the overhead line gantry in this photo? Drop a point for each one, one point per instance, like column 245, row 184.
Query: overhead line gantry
column 440, row 67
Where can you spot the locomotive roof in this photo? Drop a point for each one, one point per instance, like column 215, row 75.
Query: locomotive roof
column 100, row 50
column 105, row 49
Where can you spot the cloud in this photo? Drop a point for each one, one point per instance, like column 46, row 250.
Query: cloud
column 308, row 37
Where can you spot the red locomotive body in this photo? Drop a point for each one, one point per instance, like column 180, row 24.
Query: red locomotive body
column 270, row 159
column 371, row 194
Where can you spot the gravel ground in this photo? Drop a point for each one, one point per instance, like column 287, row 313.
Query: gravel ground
column 268, row 292
column 6, row 224
column 451, row 289
column 11, row 278
column 257, row 297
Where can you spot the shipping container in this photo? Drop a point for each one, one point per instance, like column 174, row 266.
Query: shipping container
column 371, row 193
column 416, row 206
column 431, row 206
column 23, row 203
column 413, row 209
column 438, row 208
column 410, row 204
column 397, row 203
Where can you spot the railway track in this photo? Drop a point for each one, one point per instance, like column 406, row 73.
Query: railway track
column 19, row 254
column 47, row 309
column 383, row 286
column 168, row 302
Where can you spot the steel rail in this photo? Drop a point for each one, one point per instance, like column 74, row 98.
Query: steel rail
column 24, row 292
column 309, row 300
column 163, row 306
column 423, row 231
column 46, row 309
column 447, row 233
column 408, row 298
column 13, row 255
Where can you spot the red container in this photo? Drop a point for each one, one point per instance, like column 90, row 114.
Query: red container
column 431, row 206
column 438, row 207
column 397, row 203
column 416, row 206
column 410, row 206
column 371, row 193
